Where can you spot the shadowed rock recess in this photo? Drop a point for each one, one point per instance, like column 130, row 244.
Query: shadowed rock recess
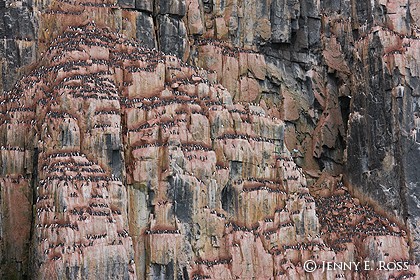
column 209, row 139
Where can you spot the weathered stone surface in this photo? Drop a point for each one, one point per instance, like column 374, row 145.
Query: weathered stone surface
column 172, row 36
column 195, row 20
column 284, row 14
column 314, row 30
column 16, row 201
column 221, row 29
column 334, row 57
column 249, row 89
column 174, row 7
column 17, row 22
column 145, row 5
column 127, row 3
column 199, row 157
column 145, row 30
column 18, row 32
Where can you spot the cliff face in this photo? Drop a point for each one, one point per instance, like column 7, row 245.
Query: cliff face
column 208, row 139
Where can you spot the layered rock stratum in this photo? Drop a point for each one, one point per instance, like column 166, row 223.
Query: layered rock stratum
column 208, row 139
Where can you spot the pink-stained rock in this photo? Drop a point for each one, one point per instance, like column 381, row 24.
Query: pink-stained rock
column 243, row 63
column 137, row 165
column 211, row 59
column 249, row 89
column 256, row 64
column 147, row 83
column 290, row 106
column 263, row 28
column 327, row 130
column 200, row 130
column 397, row 15
column 334, row 57
column 230, row 74
column 16, row 193
column 195, row 22
column 221, row 29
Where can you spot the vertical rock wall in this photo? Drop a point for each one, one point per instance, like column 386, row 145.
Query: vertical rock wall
column 215, row 168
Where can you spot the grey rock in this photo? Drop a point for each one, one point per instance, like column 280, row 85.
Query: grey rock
column 172, row 35
column 284, row 15
column 229, row 199
column 280, row 24
column 12, row 62
column 173, row 7
column 145, row 31
column 162, row 271
column 114, row 155
column 314, row 32
column 309, row 8
column 302, row 38
column 127, row 3
column 263, row 9
column 363, row 10
column 144, row 5
column 181, row 192
column 382, row 160
column 411, row 191
column 17, row 23
column 208, row 6
column 343, row 6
